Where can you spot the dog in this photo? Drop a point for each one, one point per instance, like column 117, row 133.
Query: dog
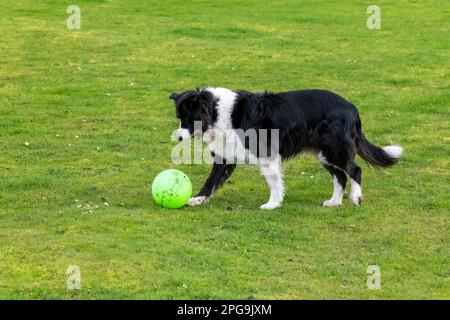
column 317, row 121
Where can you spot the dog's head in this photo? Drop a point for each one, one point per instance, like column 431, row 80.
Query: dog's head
column 192, row 106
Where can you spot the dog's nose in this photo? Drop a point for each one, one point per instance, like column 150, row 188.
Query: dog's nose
column 180, row 138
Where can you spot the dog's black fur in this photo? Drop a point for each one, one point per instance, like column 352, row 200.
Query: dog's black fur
column 313, row 120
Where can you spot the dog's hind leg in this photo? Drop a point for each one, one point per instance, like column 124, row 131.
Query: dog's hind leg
column 335, row 166
column 355, row 179
column 339, row 182
column 271, row 170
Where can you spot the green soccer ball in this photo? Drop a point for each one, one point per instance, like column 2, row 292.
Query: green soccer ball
column 171, row 189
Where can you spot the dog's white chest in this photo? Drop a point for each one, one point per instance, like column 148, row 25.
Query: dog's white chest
column 227, row 145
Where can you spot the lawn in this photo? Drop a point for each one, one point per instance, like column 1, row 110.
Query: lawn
column 85, row 125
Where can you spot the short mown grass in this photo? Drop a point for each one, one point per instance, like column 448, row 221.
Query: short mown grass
column 85, row 120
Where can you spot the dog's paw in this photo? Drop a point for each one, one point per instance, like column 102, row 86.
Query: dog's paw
column 331, row 203
column 270, row 205
column 356, row 199
column 196, row 201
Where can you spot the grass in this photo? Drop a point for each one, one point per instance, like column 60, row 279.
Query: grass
column 86, row 119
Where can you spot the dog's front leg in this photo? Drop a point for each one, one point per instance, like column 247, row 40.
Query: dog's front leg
column 271, row 170
column 219, row 174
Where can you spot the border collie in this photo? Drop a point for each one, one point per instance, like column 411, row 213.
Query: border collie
column 317, row 121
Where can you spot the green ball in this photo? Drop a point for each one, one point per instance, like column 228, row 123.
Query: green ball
column 171, row 189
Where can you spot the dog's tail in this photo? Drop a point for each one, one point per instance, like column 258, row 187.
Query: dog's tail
column 377, row 156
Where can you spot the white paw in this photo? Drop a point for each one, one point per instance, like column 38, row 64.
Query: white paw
column 270, row 205
column 331, row 203
column 356, row 198
column 196, row 201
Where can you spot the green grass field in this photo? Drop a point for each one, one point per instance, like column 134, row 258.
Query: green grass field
column 85, row 119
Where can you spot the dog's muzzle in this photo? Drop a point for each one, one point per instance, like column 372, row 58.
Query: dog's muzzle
column 182, row 134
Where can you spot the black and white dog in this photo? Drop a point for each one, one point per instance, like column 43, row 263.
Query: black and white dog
column 308, row 120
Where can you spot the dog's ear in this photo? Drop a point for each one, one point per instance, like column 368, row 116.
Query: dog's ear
column 188, row 98
column 175, row 96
